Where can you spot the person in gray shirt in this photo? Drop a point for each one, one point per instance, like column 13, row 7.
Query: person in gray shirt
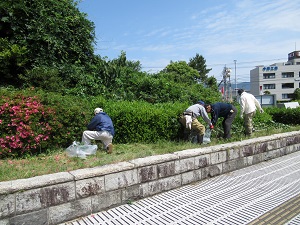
column 192, row 127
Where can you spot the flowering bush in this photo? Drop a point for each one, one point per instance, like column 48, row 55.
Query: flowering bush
column 24, row 125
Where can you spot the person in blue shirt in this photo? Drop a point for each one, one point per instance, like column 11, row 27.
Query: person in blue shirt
column 100, row 128
column 225, row 110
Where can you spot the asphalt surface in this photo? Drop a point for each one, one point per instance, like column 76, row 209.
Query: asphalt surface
column 265, row 193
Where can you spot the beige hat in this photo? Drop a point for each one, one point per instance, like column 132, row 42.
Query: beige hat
column 98, row 110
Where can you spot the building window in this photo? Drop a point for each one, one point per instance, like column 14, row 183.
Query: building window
column 287, row 74
column 269, row 86
column 287, row 96
column 287, row 85
column 269, row 75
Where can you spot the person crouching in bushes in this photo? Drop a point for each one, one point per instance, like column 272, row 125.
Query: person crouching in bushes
column 225, row 110
column 193, row 129
column 100, row 128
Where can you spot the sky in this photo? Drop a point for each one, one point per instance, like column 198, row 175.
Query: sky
column 238, row 34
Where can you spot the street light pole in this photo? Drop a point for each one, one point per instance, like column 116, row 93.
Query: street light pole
column 235, row 79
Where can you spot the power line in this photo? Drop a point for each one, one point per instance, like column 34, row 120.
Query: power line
column 222, row 64
column 248, row 62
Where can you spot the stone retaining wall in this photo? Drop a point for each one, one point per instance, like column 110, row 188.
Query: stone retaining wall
column 55, row 198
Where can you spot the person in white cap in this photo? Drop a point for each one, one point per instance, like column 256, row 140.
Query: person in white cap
column 100, row 128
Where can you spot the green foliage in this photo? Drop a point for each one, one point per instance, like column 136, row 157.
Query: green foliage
column 25, row 125
column 58, row 120
column 44, row 77
column 120, row 79
column 262, row 117
column 73, row 114
column 134, row 121
column 13, row 59
column 121, row 73
column 54, row 33
column 211, row 83
column 261, row 122
column 285, row 116
column 68, row 115
column 199, row 63
column 54, row 40
column 144, row 122
column 46, row 48
column 181, row 72
column 265, row 121
column 297, row 94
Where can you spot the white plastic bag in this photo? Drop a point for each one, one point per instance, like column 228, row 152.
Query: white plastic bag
column 81, row 151
column 206, row 137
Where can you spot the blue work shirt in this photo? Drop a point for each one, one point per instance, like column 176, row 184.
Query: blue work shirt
column 102, row 122
column 219, row 109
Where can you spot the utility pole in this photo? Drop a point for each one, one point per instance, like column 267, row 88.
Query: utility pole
column 235, row 79
column 227, row 86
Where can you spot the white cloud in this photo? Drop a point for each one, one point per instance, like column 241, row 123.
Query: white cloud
column 245, row 30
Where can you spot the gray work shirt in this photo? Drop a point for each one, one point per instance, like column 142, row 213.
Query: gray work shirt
column 199, row 110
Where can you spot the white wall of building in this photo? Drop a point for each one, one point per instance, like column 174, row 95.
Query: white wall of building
column 280, row 79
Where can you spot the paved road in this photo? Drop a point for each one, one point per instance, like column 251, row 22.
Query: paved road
column 266, row 193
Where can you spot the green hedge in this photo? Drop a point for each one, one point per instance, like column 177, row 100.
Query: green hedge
column 144, row 122
column 285, row 116
column 134, row 121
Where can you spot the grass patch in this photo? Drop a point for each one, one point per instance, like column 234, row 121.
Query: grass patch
column 58, row 161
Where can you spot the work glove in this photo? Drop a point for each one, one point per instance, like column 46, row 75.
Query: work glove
column 241, row 116
column 211, row 126
column 261, row 111
column 188, row 121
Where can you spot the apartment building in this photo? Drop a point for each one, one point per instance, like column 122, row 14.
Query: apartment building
column 280, row 79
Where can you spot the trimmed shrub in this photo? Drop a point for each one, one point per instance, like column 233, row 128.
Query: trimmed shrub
column 144, row 122
column 285, row 116
column 25, row 125
column 52, row 121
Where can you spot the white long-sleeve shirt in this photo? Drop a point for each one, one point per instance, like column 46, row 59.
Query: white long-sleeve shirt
column 249, row 103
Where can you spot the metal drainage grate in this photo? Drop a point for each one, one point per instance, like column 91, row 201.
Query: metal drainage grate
column 237, row 198
column 294, row 221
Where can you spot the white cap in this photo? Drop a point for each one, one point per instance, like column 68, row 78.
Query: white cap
column 98, row 110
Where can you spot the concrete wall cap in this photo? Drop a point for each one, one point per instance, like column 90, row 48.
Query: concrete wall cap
column 152, row 160
column 35, row 182
column 101, row 170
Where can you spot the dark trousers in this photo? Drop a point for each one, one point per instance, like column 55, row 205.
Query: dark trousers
column 227, row 122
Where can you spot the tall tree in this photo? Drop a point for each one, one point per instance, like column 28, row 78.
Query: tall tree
column 181, row 72
column 54, row 33
column 199, row 63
